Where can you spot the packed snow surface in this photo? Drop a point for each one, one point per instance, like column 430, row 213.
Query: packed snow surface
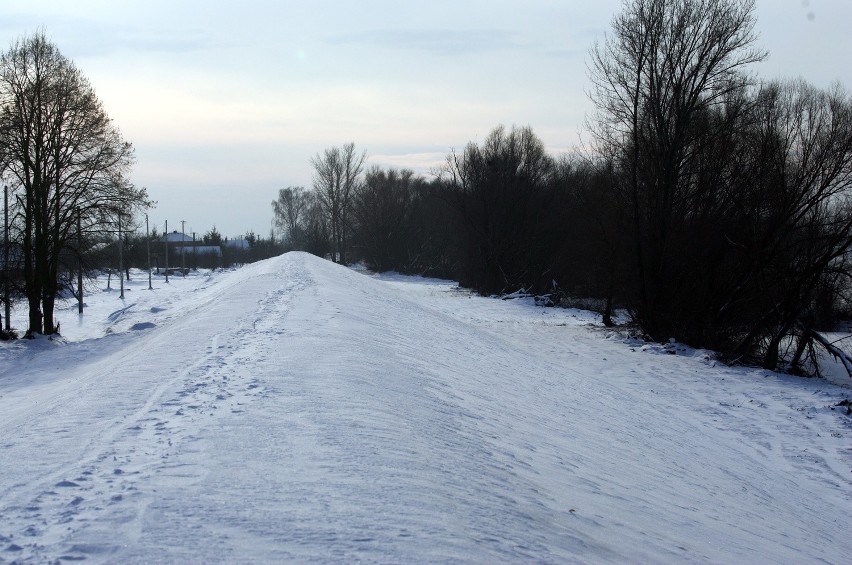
column 297, row 410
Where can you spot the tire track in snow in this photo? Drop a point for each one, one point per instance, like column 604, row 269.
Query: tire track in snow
column 106, row 489
column 102, row 479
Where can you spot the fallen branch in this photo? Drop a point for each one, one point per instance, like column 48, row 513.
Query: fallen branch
column 838, row 353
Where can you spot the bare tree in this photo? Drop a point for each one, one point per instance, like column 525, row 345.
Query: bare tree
column 798, row 213
column 382, row 212
column 593, row 240
column 336, row 173
column 67, row 158
column 317, row 235
column 500, row 191
column 289, row 211
column 666, row 63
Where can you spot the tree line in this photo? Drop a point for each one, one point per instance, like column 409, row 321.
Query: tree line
column 712, row 206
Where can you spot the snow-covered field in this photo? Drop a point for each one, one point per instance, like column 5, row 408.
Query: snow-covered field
column 297, row 410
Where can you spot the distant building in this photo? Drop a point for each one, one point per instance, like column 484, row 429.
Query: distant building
column 177, row 238
column 237, row 244
column 192, row 253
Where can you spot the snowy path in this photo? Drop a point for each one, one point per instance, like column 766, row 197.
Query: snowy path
column 296, row 410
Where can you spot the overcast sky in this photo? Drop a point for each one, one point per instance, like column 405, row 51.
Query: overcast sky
column 226, row 102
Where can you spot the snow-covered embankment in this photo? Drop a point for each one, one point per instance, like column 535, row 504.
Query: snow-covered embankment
column 295, row 409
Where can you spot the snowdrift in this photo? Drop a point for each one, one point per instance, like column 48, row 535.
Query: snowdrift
column 297, row 410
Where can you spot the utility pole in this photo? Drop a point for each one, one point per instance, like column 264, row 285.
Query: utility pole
column 6, row 255
column 148, row 250
column 167, row 252
column 120, row 257
column 182, row 248
column 80, row 261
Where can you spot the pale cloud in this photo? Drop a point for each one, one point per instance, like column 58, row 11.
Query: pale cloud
column 421, row 163
column 229, row 101
column 436, row 41
column 196, row 108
